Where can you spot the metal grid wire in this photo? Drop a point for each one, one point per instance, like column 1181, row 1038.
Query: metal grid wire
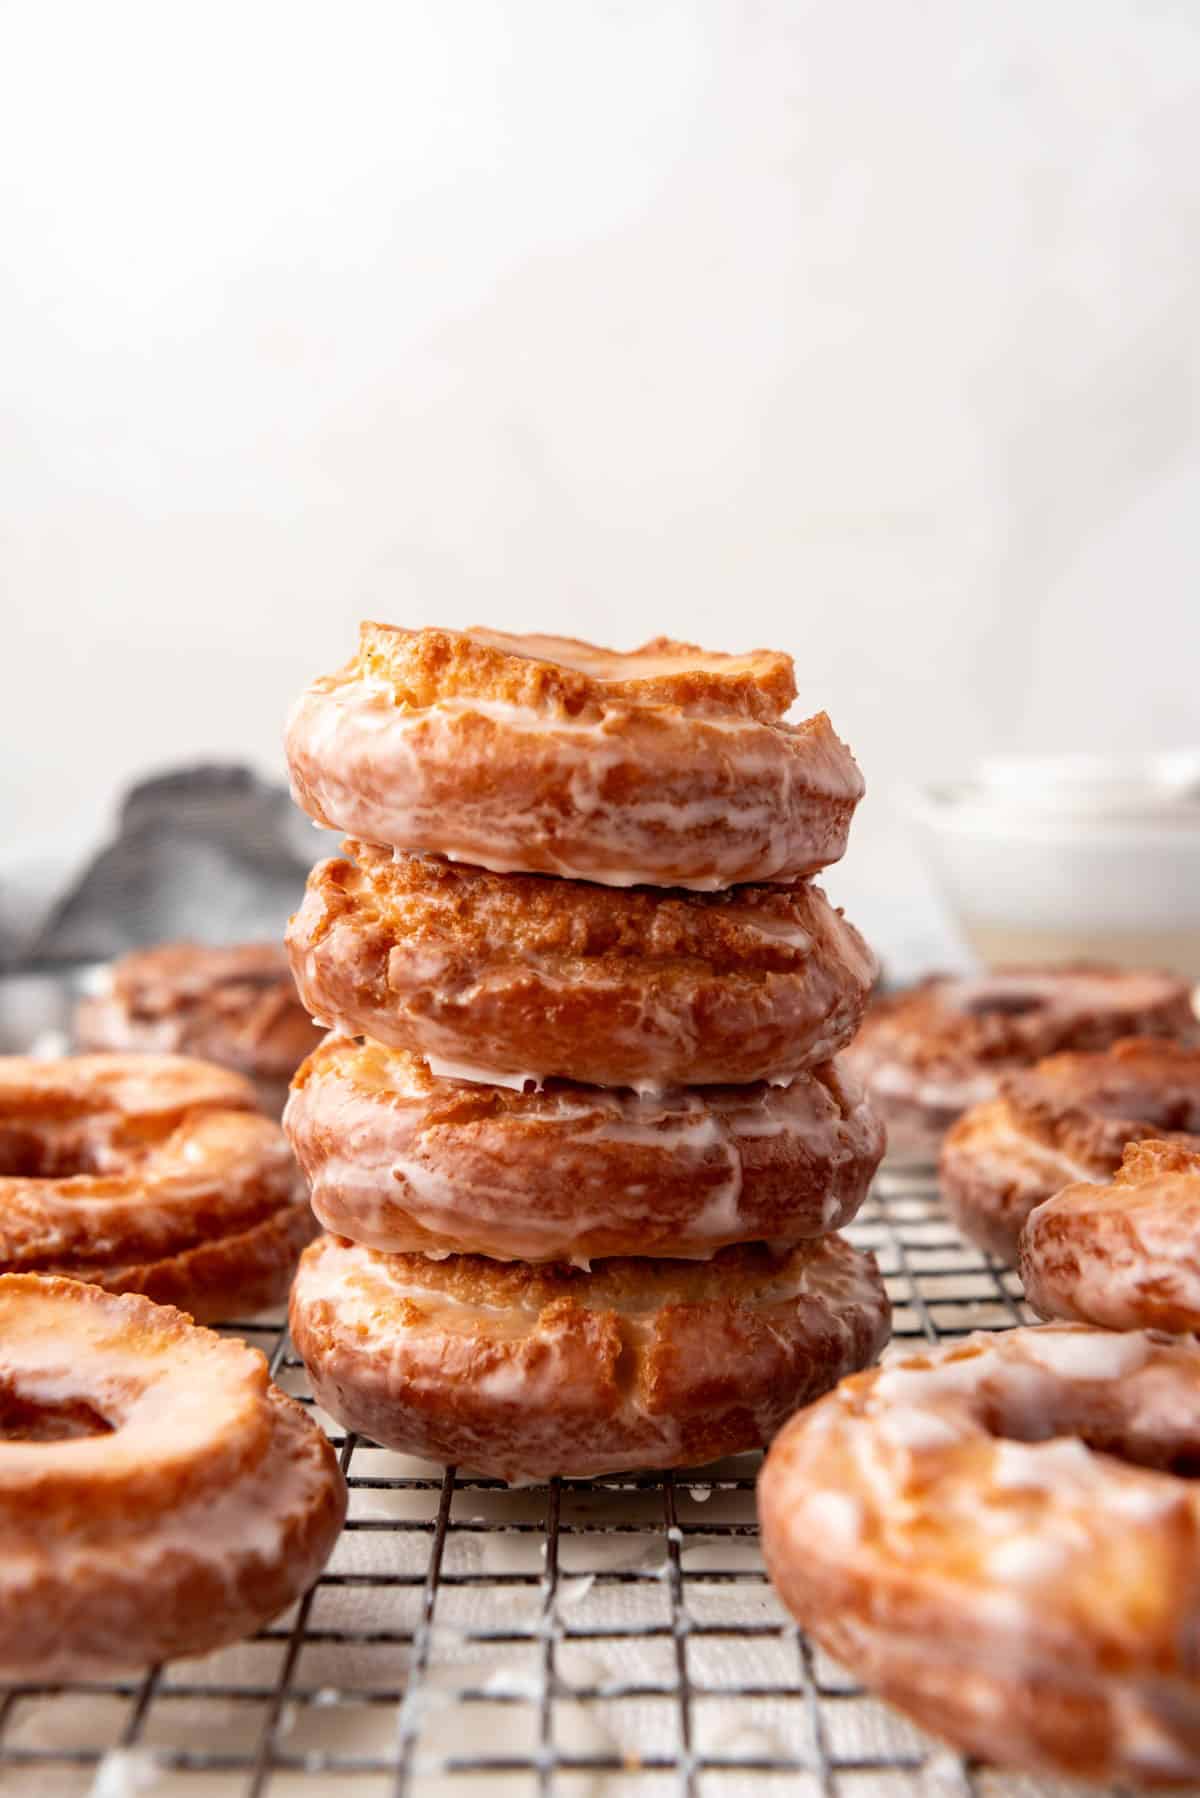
column 614, row 1636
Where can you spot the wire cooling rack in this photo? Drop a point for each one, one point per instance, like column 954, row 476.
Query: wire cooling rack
column 605, row 1637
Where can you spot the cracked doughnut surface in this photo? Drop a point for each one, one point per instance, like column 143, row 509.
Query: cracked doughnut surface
column 402, row 1161
column 509, row 978
column 667, row 766
column 1064, row 1121
column 524, row 1372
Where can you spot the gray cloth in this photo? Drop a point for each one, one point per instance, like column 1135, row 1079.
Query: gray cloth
column 213, row 853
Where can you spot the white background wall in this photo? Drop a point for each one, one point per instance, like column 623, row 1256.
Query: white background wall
column 867, row 330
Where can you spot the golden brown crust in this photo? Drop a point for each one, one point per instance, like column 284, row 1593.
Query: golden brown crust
column 928, row 1053
column 990, row 1191
column 519, row 976
column 236, row 1006
column 1125, row 1255
column 667, row 766
column 154, row 1169
column 563, row 674
column 990, row 1535
column 99, row 1090
column 228, row 1278
column 1067, row 1119
column 399, row 1160
column 524, row 1372
column 68, row 1342
column 160, row 1496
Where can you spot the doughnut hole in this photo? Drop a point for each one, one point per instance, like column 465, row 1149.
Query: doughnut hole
column 1004, row 1002
column 63, row 1148
column 55, row 1152
column 40, row 1420
column 1158, row 1438
column 1156, row 1113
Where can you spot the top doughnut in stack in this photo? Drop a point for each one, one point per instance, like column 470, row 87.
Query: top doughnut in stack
column 629, row 1060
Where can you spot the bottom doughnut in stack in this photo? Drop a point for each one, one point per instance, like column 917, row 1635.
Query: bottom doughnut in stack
column 524, row 1372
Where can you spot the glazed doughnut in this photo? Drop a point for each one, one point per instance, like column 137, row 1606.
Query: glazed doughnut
column 928, row 1053
column 151, row 1173
column 666, row 766
column 524, row 1372
column 226, row 1278
column 401, row 1161
column 1124, row 1256
column 235, row 1006
column 1001, row 1536
column 159, row 1495
column 506, row 979
column 1068, row 1119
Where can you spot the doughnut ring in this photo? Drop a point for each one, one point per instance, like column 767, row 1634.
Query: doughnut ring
column 1124, row 1256
column 505, row 979
column 666, row 766
column 991, row 1534
column 159, row 1495
column 401, row 1161
column 926, row 1054
column 230, row 1277
column 524, row 1372
column 149, row 1173
column 1066, row 1120
column 236, row 1006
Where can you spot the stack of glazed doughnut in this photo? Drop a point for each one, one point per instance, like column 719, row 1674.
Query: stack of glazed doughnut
column 578, row 1132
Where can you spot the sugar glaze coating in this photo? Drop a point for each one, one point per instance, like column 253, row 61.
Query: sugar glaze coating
column 403, row 1161
column 990, row 1535
column 1064, row 1121
column 509, row 979
column 159, row 1495
column 667, row 766
column 524, row 1372
column 1125, row 1255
